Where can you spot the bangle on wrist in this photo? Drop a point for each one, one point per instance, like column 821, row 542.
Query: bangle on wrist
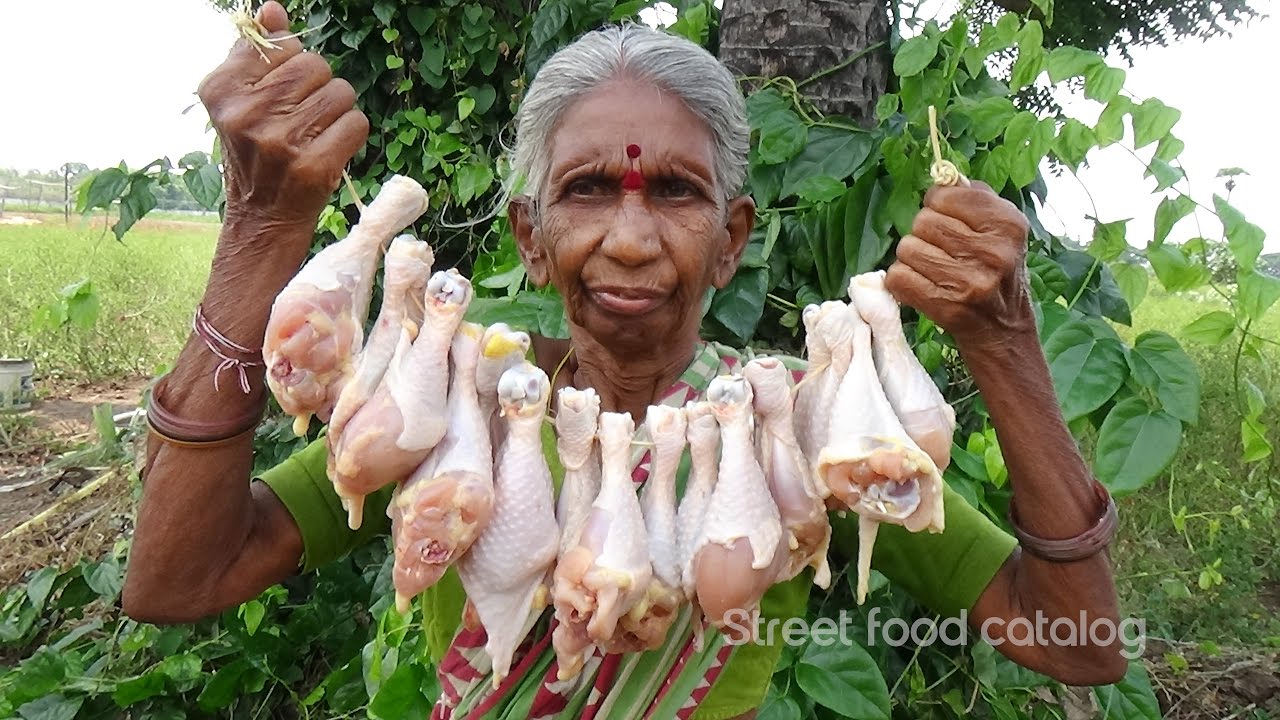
column 1082, row 546
column 187, row 432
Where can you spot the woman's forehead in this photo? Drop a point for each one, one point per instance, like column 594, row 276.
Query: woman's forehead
column 599, row 126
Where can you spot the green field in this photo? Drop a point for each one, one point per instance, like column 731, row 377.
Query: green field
column 147, row 287
column 149, row 284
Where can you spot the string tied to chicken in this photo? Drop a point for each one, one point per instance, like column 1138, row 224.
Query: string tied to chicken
column 232, row 354
column 943, row 172
column 248, row 27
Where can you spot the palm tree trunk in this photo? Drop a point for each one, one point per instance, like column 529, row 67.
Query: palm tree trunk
column 802, row 38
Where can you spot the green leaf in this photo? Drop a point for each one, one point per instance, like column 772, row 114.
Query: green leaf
column 1168, row 213
column 820, row 189
column 40, row 584
column 465, row 106
column 223, row 687
column 1132, row 280
column 990, row 117
column 1028, row 66
column 421, row 18
column 1152, row 120
column 401, row 696
column 1254, row 399
column 394, row 62
column 181, row 669
column 385, row 11
column 205, row 185
column 253, row 612
column 915, row 54
column 103, row 189
column 1053, row 281
column 1134, row 445
column 1257, row 292
column 1067, row 62
column 134, row 205
column 1108, row 240
column 1211, row 328
column 1244, row 238
column 471, row 181
column 138, row 689
column 845, row 679
column 51, row 707
column 832, row 152
column 778, row 707
column 1086, row 370
column 1074, row 142
column 1174, row 270
column 1165, row 174
column 1253, row 441
column 390, row 35
column 739, row 305
column 1110, row 128
column 782, row 134
column 1103, row 83
column 1129, row 699
column 1160, row 363
column 104, row 578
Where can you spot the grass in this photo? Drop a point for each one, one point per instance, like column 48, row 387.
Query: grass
column 147, row 287
column 1158, row 566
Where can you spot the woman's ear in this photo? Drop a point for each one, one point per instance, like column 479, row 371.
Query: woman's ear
column 528, row 240
column 741, row 218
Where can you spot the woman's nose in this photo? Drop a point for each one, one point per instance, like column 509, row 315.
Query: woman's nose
column 633, row 238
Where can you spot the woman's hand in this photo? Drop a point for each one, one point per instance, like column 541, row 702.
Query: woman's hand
column 288, row 127
column 964, row 265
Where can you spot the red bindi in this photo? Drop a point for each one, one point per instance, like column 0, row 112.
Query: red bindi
column 633, row 180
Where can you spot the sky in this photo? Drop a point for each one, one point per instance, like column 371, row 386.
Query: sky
column 117, row 81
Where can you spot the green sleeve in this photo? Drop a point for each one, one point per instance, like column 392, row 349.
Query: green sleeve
column 944, row 571
column 302, row 484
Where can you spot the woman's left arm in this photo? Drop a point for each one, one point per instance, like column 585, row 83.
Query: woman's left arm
column 964, row 267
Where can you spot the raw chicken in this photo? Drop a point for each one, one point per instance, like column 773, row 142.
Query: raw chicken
column 440, row 510
column 646, row 626
column 924, row 413
column 738, row 554
column 871, row 465
column 390, row 436
column 828, row 334
column 608, row 572
column 577, row 417
column 501, row 350
column 408, row 266
column 703, row 434
column 807, row 532
column 504, row 572
column 317, row 322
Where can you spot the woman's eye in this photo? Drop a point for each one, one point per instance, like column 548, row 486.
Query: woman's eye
column 677, row 189
column 585, row 187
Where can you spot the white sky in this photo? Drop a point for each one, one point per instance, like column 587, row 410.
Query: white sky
column 112, row 82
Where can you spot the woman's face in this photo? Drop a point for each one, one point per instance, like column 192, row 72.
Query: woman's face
column 633, row 263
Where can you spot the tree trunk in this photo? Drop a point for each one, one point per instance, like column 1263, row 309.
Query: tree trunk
column 801, row 38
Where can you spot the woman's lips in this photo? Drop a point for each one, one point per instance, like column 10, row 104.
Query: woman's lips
column 626, row 301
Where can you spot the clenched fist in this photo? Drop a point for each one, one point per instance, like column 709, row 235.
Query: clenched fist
column 288, row 127
column 964, row 265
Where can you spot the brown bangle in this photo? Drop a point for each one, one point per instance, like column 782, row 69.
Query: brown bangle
column 177, row 430
column 1082, row 546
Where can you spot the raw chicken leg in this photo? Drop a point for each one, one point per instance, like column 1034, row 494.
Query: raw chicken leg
column 317, row 321
column 577, row 417
column 645, row 627
column 408, row 265
column 608, row 572
column 501, row 350
column 390, row 436
column 807, row 532
column 828, row 334
column 703, row 434
column 871, row 465
column 505, row 570
column 924, row 413
column 440, row 510
column 738, row 555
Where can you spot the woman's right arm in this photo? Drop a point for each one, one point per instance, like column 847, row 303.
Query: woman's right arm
column 206, row 538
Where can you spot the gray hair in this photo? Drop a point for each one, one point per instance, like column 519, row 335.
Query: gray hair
column 670, row 62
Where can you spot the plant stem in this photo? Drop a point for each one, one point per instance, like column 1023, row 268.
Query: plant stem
column 1085, row 283
column 841, row 65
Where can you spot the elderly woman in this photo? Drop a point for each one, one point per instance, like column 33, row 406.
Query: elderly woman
column 633, row 261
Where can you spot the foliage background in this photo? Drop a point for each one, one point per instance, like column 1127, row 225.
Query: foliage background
column 440, row 84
